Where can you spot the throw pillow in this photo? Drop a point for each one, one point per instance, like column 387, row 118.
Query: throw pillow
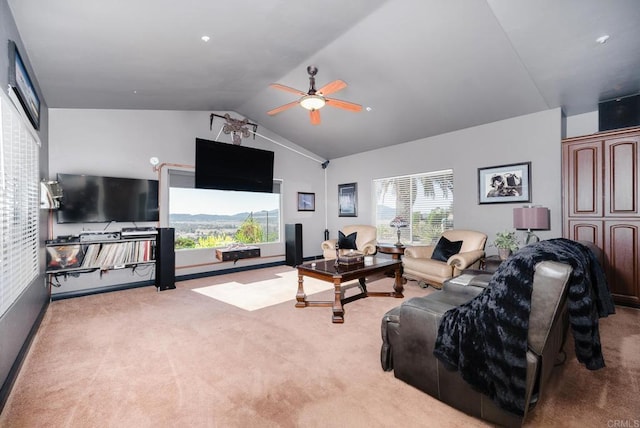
column 445, row 249
column 347, row 242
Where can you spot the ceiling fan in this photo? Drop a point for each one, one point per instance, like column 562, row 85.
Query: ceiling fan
column 315, row 99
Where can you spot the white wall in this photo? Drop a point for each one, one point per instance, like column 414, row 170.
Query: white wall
column 120, row 142
column 582, row 124
column 535, row 137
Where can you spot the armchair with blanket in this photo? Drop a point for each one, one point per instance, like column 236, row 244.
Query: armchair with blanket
column 456, row 250
column 488, row 348
column 361, row 238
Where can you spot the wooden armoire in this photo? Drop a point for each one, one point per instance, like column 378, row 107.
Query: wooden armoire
column 600, row 203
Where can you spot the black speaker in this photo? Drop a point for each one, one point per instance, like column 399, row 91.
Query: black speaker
column 293, row 244
column 165, row 259
column 619, row 113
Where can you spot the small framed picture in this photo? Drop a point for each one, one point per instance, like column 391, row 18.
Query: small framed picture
column 21, row 84
column 504, row 183
column 348, row 200
column 306, row 201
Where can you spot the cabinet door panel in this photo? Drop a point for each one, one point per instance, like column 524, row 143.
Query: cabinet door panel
column 621, row 177
column 622, row 247
column 587, row 230
column 583, row 179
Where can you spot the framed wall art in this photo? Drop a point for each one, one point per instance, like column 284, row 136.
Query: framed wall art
column 21, row 84
column 348, row 200
column 306, row 201
column 504, row 183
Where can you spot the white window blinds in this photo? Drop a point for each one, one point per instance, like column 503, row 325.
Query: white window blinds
column 19, row 205
column 424, row 201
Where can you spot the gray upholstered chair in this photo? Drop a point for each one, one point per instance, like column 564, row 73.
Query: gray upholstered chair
column 419, row 265
column 409, row 333
column 366, row 241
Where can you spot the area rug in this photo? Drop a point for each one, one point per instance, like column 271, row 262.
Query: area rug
column 263, row 293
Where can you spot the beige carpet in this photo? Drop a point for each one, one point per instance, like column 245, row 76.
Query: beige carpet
column 177, row 358
column 261, row 293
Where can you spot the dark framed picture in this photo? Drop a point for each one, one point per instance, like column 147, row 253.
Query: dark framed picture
column 306, row 201
column 504, row 183
column 348, row 200
column 21, row 84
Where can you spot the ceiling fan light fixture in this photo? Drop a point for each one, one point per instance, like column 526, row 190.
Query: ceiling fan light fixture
column 312, row 102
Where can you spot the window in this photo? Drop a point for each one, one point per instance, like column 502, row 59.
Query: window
column 19, row 205
column 204, row 218
column 425, row 201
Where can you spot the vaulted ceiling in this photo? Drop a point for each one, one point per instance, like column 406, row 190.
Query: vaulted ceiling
column 422, row 67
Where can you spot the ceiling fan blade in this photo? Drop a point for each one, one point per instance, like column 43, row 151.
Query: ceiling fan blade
column 332, row 87
column 315, row 117
column 346, row 105
column 282, row 108
column 287, row 89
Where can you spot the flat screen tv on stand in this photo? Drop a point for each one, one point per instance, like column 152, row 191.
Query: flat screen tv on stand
column 225, row 166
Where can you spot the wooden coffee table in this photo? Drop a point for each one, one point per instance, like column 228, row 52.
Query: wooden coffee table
column 327, row 270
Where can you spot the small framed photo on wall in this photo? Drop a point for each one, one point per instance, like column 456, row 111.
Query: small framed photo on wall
column 504, row 183
column 306, row 201
column 348, row 200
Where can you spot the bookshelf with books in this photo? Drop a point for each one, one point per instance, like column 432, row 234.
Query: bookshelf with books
column 87, row 256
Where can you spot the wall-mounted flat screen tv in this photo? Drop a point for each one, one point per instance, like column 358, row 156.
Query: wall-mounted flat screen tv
column 95, row 199
column 225, row 166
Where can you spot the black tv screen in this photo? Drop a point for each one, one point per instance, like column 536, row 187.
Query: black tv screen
column 226, row 166
column 94, row 199
column 619, row 113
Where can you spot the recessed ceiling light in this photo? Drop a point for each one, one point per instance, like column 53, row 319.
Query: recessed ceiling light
column 602, row 39
column 205, row 38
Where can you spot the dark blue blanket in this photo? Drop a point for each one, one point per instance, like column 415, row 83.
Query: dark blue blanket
column 486, row 338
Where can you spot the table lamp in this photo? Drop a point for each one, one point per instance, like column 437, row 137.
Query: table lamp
column 531, row 218
column 398, row 222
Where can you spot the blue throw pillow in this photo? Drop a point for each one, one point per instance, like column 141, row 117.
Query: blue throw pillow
column 445, row 249
column 347, row 242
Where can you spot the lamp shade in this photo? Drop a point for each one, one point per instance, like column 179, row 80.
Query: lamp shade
column 398, row 222
column 531, row 218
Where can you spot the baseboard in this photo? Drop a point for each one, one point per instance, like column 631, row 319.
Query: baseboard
column 226, row 271
column 17, row 364
column 238, row 269
column 108, row 289
column 127, row 286
column 100, row 290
